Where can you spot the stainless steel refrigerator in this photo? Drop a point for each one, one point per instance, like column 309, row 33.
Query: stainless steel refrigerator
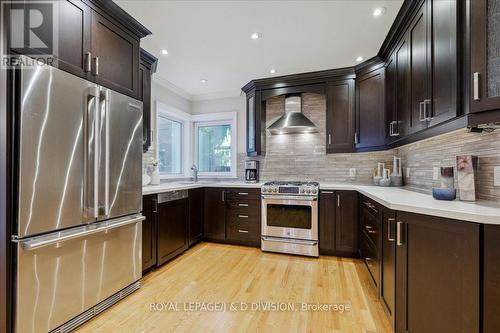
column 77, row 236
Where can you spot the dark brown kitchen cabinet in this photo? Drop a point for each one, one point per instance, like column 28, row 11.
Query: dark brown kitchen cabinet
column 115, row 56
column 346, row 222
column 391, row 111
column 196, row 213
column 485, row 55
column 147, row 67
column 149, row 227
column 491, row 279
column 437, row 275
column 327, row 203
column 340, row 127
column 388, row 263
column 172, row 229
column 256, row 130
column 338, row 223
column 420, row 61
column 370, row 110
column 74, row 49
column 215, row 214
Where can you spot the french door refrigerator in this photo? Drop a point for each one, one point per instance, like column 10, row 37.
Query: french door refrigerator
column 77, row 235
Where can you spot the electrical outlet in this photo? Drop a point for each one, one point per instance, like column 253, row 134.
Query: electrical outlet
column 496, row 177
column 352, row 172
column 407, row 172
column 435, row 173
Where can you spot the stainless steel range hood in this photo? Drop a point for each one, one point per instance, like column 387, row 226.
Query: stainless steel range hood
column 293, row 121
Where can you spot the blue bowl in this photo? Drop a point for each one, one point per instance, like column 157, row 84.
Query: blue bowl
column 440, row 193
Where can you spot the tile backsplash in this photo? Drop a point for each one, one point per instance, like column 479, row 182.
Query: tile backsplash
column 303, row 157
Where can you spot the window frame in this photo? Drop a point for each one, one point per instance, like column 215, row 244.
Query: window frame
column 214, row 119
column 170, row 113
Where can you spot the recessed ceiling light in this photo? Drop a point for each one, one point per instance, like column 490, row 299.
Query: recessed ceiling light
column 272, row 71
column 359, row 59
column 378, row 11
column 164, row 51
column 256, row 35
column 203, row 80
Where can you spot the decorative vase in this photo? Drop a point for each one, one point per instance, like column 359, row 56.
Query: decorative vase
column 466, row 169
column 155, row 177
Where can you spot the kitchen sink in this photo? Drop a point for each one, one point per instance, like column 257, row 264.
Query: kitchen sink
column 192, row 183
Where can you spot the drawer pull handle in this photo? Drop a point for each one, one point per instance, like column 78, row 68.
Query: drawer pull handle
column 372, row 232
column 243, row 231
column 326, row 192
column 243, row 216
column 243, row 205
column 389, row 224
column 242, row 193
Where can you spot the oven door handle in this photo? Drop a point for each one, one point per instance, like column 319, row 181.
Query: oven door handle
column 288, row 197
column 287, row 240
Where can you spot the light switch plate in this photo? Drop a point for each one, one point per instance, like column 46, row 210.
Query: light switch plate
column 407, row 172
column 496, row 176
column 435, row 173
column 352, row 172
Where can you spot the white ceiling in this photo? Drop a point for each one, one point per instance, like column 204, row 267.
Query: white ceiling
column 211, row 39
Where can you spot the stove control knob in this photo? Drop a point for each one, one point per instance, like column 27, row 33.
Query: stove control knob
column 308, row 190
column 314, row 191
column 275, row 190
column 264, row 190
column 302, row 190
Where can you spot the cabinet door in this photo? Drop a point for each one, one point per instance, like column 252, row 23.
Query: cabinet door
column 419, row 69
column 444, row 61
column 145, row 97
column 391, row 115
column 485, row 55
column 346, row 221
column 327, row 204
column 437, row 275
column 196, row 198
column 74, row 37
column 256, row 131
column 149, row 225
column 403, row 110
column 215, row 213
column 388, row 263
column 491, row 282
column 340, row 117
column 370, row 113
column 251, row 125
column 115, row 56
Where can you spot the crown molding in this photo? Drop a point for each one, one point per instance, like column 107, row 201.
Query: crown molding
column 172, row 87
column 216, row 95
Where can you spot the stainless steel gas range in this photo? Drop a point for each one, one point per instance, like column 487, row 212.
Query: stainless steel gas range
column 290, row 217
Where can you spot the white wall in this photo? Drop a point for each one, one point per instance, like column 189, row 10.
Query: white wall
column 234, row 104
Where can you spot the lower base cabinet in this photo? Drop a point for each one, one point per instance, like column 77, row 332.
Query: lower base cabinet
column 149, row 226
column 338, row 223
column 196, row 213
column 437, row 275
column 491, row 279
column 172, row 229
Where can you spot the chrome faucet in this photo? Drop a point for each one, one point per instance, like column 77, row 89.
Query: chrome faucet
column 195, row 173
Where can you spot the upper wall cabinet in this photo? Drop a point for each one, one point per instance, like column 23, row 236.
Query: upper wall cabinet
column 370, row 110
column 115, row 56
column 98, row 41
column 340, row 116
column 147, row 67
column 256, row 131
column 433, row 44
column 485, row 55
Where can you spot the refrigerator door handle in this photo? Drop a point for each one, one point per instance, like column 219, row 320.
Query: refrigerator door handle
column 46, row 240
column 91, row 184
column 104, row 149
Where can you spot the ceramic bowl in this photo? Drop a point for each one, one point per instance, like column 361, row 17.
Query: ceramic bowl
column 442, row 193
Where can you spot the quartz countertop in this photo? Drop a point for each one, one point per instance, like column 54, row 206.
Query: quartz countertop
column 487, row 212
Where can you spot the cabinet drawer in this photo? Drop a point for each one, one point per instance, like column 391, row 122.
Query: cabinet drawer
column 370, row 206
column 243, row 231
column 370, row 226
column 370, row 257
column 248, row 207
column 236, row 194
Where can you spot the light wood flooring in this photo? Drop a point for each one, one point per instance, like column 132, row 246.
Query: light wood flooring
column 211, row 274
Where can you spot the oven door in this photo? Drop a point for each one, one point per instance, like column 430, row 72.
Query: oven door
column 290, row 217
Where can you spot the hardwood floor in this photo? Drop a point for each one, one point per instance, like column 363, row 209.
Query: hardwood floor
column 213, row 273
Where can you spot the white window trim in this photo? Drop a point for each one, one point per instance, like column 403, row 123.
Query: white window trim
column 220, row 118
column 187, row 134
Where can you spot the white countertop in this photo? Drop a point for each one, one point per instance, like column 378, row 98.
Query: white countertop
column 487, row 212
